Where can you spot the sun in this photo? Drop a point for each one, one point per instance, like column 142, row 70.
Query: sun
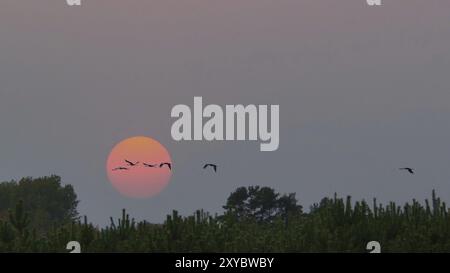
column 134, row 167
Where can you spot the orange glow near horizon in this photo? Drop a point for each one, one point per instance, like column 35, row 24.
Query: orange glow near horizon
column 139, row 181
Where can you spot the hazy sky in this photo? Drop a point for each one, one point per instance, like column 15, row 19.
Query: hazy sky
column 362, row 91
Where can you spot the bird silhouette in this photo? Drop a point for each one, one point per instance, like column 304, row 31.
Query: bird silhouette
column 149, row 165
column 410, row 170
column 120, row 168
column 166, row 164
column 214, row 166
column 131, row 163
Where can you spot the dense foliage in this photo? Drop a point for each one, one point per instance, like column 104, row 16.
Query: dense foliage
column 45, row 200
column 255, row 220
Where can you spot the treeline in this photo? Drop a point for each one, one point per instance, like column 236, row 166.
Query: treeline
column 255, row 219
column 45, row 200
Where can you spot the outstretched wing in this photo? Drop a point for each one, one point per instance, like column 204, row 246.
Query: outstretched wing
column 214, row 166
column 410, row 170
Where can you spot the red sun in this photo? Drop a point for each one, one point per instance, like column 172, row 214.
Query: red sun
column 142, row 175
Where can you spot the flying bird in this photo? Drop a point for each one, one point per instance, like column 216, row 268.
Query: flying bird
column 410, row 170
column 167, row 164
column 214, row 166
column 149, row 165
column 131, row 163
column 120, row 168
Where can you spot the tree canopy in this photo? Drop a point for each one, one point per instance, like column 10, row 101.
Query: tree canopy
column 45, row 199
column 256, row 219
column 261, row 203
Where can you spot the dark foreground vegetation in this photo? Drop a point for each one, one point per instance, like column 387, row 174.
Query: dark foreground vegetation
column 39, row 215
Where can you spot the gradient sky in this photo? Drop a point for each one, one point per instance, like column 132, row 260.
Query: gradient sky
column 362, row 91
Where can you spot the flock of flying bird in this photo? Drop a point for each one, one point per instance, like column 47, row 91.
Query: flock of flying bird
column 208, row 165
column 160, row 165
